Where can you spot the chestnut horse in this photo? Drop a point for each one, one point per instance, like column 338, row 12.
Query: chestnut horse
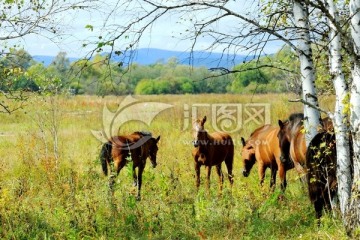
column 263, row 147
column 292, row 140
column 321, row 166
column 119, row 150
column 211, row 150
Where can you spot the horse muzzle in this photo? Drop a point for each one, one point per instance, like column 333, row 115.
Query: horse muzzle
column 196, row 143
column 245, row 173
column 154, row 164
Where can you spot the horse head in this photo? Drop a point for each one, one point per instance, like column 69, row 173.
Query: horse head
column 284, row 136
column 199, row 131
column 248, row 157
column 153, row 149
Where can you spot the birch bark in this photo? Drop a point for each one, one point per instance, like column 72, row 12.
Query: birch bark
column 353, row 220
column 312, row 115
column 340, row 116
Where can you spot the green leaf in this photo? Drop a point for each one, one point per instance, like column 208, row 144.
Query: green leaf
column 90, row 27
column 312, row 180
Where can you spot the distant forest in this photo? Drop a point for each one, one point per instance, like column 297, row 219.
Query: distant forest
column 268, row 74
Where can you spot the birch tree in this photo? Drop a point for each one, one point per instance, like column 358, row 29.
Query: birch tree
column 353, row 221
column 312, row 115
column 340, row 116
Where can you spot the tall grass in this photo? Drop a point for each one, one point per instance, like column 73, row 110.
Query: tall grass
column 55, row 189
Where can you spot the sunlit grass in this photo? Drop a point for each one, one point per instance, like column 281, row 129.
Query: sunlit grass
column 58, row 191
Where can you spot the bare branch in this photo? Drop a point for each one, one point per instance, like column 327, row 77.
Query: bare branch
column 330, row 114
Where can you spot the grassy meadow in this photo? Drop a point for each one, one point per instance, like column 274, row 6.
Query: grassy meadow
column 52, row 186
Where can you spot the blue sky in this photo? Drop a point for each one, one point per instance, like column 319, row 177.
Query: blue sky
column 165, row 34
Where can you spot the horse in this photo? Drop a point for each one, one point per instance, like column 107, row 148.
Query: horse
column 292, row 140
column 120, row 150
column 321, row 166
column 263, row 147
column 211, row 150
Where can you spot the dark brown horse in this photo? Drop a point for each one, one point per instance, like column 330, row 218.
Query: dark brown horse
column 263, row 147
column 136, row 147
column 211, row 150
column 292, row 140
column 321, row 166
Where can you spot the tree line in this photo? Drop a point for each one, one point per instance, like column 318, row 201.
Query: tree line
column 96, row 76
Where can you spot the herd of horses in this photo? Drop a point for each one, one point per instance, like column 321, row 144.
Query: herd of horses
column 279, row 148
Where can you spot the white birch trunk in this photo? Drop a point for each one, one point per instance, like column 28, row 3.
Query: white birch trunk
column 312, row 116
column 353, row 220
column 340, row 116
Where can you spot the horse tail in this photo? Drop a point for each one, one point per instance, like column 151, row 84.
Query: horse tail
column 313, row 186
column 229, row 160
column 105, row 155
column 230, row 157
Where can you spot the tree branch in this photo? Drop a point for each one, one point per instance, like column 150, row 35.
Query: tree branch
column 330, row 114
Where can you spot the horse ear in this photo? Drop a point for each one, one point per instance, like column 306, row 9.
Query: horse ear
column 204, row 120
column 243, row 141
column 157, row 139
column 281, row 124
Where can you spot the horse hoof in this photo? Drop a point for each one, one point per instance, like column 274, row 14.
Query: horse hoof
column 138, row 198
column 281, row 197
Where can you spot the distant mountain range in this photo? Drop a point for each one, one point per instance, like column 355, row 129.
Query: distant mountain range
column 147, row 56
column 47, row 60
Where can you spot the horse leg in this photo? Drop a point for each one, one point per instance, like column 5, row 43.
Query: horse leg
column 221, row 177
column 113, row 173
column 139, row 180
column 208, row 173
column 197, row 173
column 282, row 175
column 318, row 205
column 273, row 177
column 135, row 178
column 261, row 171
column 115, row 168
column 229, row 166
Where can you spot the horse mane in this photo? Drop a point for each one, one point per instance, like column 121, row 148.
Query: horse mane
column 208, row 135
column 296, row 120
column 143, row 133
column 296, row 117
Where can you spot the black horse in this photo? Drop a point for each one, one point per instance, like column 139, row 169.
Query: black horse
column 321, row 166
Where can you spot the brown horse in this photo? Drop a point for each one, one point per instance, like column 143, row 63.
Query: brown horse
column 263, row 147
column 211, row 150
column 136, row 147
column 321, row 166
column 292, row 140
